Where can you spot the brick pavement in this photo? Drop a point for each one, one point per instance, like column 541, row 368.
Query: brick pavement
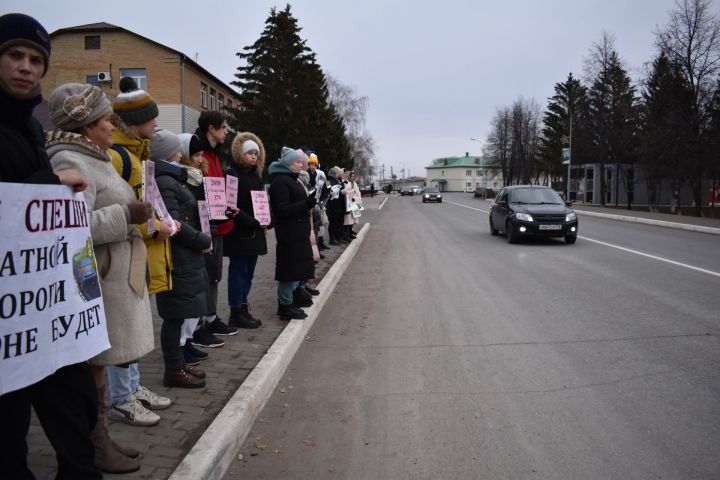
column 164, row 445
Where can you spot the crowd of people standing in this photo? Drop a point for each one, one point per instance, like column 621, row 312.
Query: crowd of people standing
column 143, row 251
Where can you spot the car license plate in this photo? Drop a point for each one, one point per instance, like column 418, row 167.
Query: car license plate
column 550, row 227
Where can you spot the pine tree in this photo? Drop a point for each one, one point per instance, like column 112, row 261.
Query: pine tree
column 612, row 119
column 663, row 135
column 284, row 96
column 570, row 99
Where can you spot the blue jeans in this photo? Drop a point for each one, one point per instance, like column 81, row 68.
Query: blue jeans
column 122, row 382
column 285, row 289
column 241, row 271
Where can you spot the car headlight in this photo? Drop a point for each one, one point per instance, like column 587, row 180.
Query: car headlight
column 524, row 217
column 439, row 196
column 570, row 217
column 427, row 196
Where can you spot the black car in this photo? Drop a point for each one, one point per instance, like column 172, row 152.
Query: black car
column 431, row 194
column 407, row 191
column 528, row 210
column 484, row 192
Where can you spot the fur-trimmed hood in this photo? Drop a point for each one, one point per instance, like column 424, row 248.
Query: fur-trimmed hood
column 58, row 140
column 236, row 150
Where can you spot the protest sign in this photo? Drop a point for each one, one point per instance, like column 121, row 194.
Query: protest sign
column 231, row 190
column 204, row 217
column 261, row 206
column 215, row 197
column 149, row 188
column 51, row 309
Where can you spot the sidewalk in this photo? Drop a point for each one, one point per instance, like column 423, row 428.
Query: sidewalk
column 165, row 445
column 698, row 224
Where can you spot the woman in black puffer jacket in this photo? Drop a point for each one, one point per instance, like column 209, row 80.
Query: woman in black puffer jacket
column 246, row 241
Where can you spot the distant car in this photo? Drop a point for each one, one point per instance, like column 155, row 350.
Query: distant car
column 415, row 190
column 484, row 192
column 527, row 210
column 431, row 194
column 407, row 191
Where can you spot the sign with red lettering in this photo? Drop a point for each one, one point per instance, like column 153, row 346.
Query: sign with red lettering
column 51, row 309
column 215, row 197
column 204, row 217
column 261, row 206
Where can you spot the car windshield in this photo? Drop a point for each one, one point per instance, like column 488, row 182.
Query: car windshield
column 536, row 196
column 431, row 190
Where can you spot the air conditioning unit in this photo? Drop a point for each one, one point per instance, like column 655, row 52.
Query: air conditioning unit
column 103, row 76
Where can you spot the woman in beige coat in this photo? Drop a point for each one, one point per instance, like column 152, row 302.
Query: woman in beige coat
column 84, row 134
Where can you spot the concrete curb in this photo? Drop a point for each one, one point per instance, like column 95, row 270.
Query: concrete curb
column 650, row 221
column 212, row 454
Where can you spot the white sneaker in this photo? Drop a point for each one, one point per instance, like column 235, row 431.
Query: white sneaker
column 151, row 400
column 133, row 413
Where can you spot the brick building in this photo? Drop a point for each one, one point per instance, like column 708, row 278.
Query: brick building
column 101, row 54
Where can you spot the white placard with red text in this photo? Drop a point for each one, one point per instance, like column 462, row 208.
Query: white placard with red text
column 231, row 190
column 51, row 309
column 261, row 206
column 215, row 197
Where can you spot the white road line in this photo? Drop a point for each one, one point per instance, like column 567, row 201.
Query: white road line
column 630, row 250
column 465, row 206
column 654, row 257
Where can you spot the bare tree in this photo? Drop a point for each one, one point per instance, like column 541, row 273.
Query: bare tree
column 498, row 145
column 691, row 40
column 352, row 109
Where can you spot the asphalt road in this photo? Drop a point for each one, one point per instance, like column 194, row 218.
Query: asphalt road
column 446, row 353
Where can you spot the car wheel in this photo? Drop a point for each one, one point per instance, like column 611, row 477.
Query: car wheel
column 439, row 201
column 512, row 236
column 570, row 239
column 423, row 200
column 493, row 230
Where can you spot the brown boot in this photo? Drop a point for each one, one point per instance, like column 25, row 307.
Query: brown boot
column 101, row 384
column 107, row 458
column 196, row 372
column 183, row 379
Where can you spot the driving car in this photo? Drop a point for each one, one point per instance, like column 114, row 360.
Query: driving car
column 530, row 210
column 431, row 194
column 406, row 191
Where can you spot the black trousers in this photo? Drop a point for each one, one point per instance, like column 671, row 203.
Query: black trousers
column 170, row 344
column 66, row 405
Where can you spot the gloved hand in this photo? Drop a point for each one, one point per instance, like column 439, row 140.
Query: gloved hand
column 311, row 201
column 139, row 211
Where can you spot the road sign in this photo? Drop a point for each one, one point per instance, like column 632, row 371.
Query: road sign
column 566, row 156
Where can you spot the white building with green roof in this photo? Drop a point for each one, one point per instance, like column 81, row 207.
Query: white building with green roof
column 463, row 174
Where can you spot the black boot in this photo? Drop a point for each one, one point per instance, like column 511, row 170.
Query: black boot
column 334, row 240
column 321, row 243
column 301, row 298
column 312, row 291
column 238, row 320
column 245, row 310
column 288, row 312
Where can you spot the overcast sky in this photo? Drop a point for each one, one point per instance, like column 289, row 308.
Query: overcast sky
column 434, row 72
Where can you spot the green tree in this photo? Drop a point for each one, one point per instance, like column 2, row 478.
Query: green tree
column 283, row 95
column 663, row 133
column 612, row 116
column 569, row 101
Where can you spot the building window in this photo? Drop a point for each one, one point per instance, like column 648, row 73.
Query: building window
column 92, row 42
column 137, row 74
column 221, row 102
column 479, row 173
column 477, row 184
column 468, row 173
column 203, row 95
column 92, row 80
column 229, row 104
column 212, row 99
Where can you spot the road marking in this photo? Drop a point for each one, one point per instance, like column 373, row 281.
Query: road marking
column 654, row 257
column 630, row 250
column 465, row 206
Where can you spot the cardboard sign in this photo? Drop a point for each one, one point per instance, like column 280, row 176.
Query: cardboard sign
column 215, row 197
column 51, row 308
column 231, row 190
column 261, row 206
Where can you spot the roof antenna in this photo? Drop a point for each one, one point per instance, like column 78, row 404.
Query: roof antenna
column 196, row 57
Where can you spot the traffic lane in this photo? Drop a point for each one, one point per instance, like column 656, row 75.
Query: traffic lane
column 422, row 366
column 691, row 248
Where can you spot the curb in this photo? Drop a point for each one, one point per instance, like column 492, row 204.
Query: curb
column 212, row 454
column 650, row 221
